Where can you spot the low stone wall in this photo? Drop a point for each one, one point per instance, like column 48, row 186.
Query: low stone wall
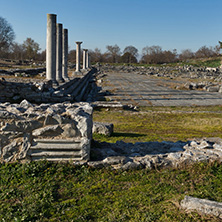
column 61, row 131
column 150, row 155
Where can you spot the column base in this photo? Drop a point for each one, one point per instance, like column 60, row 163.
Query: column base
column 55, row 83
column 60, row 80
column 78, row 73
column 67, row 79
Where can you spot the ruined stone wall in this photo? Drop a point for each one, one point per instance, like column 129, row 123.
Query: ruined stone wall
column 42, row 91
column 61, row 131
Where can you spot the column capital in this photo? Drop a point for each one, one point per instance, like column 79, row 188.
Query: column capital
column 51, row 15
column 85, row 50
column 78, row 43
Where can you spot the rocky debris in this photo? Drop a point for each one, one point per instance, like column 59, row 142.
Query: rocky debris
column 43, row 91
column 202, row 206
column 23, row 72
column 103, row 128
column 22, row 123
column 125, row 156
column 206, row 78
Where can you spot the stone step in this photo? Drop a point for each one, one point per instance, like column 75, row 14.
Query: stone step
column 56, row 159
column 56, row 149
column 56, row 144
column 60, row 153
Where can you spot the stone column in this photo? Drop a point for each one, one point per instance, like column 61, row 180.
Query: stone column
column 65, row 54
column 89, row 61
column 78, row 54
column 59, row 53
column 85, row 58
column 51, row 48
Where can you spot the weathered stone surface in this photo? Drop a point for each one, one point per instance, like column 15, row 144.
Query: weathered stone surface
column 70, row 131
column 25, row 147
column 48, row 121
column 157, row 154
column 22, row 126
column 103, row 128
column 9, row 151
column 53, row 130
column 25, row 104
column 202, row 206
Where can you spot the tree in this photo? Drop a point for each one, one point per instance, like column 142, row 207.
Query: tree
column 152, row 54
column 186, row 54
column 31, row 48
column 156, row 55
column 127, row 57
column 205, row 52
column 113, row 52
column 7, row 35
column 72, row 56
column 96, row 55
column 17, row 51
column 130, row 53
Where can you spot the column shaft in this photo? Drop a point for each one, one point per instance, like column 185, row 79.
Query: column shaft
column 78, row 56
column 51, row 47
column 65, row 55
column 84, row 58
column 59, row 53
column 87, row 59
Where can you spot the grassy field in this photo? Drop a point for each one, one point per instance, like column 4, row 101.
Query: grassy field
column 162, row 123
column 44, row 191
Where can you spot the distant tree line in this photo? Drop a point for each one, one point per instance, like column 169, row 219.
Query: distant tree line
column 30, row 50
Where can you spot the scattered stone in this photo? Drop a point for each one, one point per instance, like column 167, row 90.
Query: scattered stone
column 103, row 128
column 202, row 206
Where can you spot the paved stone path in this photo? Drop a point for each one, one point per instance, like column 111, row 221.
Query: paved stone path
column 141, row 90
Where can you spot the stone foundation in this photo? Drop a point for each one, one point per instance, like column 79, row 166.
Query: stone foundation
column 61, row 131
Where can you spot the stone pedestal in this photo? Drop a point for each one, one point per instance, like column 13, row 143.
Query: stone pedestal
column 78, row 55
column 51, row 48
column 65, row 55
column 59, row 53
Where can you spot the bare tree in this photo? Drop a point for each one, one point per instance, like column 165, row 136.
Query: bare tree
column 128, row 58
column 114, row 52
column 31, row 48
column 152, row 54
column 72, row 56
column 17, row 51
column 130, row 54
column 7, row 35
column 186, row 54
column 96, row 55
column 205, row 52
column 156, row 55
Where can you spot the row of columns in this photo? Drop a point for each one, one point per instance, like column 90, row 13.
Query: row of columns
column 57, row 52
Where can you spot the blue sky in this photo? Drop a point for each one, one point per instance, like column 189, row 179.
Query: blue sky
column 171, row 24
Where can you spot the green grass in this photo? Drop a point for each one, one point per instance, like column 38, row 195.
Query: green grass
column 43, row 191
column 208, row 62
column 161, row 123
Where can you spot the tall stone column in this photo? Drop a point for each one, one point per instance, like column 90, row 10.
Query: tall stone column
column 87, row 59
column 85, row 51
column 78, row 55
column 65, row 54
column 59, row 53
column 51, row 48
